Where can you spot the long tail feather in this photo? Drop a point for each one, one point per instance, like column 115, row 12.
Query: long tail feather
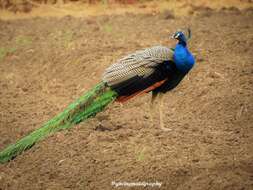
column 83, row 108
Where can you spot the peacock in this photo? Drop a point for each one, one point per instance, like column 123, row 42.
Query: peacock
column 157, row 70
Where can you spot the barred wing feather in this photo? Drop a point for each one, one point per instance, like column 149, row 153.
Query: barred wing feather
column 139, row 64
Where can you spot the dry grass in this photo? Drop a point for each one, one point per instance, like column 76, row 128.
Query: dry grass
column 107, row 7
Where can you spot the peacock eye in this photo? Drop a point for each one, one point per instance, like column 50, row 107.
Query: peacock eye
column 177, row 35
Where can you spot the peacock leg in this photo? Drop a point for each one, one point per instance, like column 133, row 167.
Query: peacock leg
column 152, row 108
column 161, row 96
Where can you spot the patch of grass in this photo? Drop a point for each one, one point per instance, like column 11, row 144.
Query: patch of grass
column 2, row 53
column 141, row 155
column 108, row 28
column 23, row 40
column 6, row 51
column 105, row 2
column 67, row 37
column 19, row 41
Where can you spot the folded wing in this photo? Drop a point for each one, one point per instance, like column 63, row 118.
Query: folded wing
column 139, row 72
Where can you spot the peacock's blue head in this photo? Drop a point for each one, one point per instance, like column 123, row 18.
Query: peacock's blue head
column 180, row 36
column 182, row 57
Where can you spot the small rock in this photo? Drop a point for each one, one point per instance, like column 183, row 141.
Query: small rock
column 195, row 160
column 167, row 14
column 143, row 6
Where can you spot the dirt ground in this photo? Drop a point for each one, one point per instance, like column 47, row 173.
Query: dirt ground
column 46, row 63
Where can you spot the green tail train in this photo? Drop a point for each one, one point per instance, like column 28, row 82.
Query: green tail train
column 83, row 108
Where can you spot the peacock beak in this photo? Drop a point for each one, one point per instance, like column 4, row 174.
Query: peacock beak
column 175, row 36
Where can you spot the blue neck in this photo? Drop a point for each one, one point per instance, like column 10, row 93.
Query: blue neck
column 183, row 43
column 183, row 58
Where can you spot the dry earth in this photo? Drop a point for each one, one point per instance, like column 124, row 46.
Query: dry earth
column 46, row 63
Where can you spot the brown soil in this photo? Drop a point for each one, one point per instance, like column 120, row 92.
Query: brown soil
column 47, row 63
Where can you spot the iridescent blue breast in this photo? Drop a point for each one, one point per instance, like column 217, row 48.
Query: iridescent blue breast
column 183, row 59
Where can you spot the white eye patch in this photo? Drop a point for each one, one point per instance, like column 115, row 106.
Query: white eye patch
column 177, row 35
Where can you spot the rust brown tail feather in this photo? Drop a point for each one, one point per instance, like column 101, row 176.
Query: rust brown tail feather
column 124, row 98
